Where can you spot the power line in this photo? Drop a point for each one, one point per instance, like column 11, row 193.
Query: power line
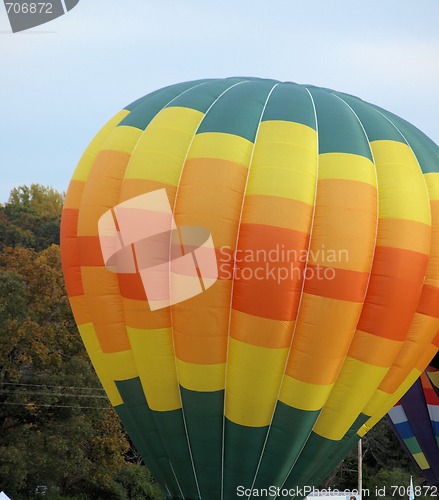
column 52, row 394
column 61, row 406
column 53, row 386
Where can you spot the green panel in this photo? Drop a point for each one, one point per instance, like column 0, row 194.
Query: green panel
column 203, row 412
column 292, row 103
column 238, row 111
column 142, row 114
column 320, row 456
column 150, row 449
column 170, row 430
column 202, row 97
column 288, row 433
column 179, row 87
column 413, row 445
column 376, row 125
column 241, row 455
column 338, row 128
column 426, row 151
column 133, row 105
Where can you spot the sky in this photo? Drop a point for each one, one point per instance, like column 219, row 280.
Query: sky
column 60, row 82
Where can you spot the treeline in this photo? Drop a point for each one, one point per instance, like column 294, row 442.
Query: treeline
column 59, row 436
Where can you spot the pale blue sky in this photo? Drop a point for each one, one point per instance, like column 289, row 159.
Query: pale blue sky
column 61, row 81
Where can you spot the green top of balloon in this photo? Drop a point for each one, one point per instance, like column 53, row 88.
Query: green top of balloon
column 290, row 102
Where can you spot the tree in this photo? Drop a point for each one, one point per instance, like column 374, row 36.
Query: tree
column 31, row 217
column 58, row 430
column 54, row 416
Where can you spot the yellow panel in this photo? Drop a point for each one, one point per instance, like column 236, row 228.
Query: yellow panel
column 421, row 460
column 402, row 190
column 287, row 132
column 381, row 402
column 87, row 159
column 101, row 367
column 432, row 180
column 355, row 385
column 302, row 395
column 223, row 146
column 295, row 184
column 123, row 139
column 160, row 153
column 347, row 166
column 284, row 162
column 154, row 356
column 254, row 375
column 202, row 378
column 121, row 364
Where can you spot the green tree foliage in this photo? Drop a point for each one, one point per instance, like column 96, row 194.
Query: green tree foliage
column 58, row 431
column 31, row 217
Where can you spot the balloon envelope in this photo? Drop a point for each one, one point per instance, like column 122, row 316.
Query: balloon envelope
column 253, row 269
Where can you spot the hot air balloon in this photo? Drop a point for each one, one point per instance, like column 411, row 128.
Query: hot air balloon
column 415, row 421
column 253, row 268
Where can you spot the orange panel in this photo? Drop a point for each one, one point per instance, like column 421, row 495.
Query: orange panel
column 277, row 211
column 345, row 221
column 138, row 315
column 102, row 294
column 90, row 251
column 131, row 287
column 261, row 332
column 324, row 331
column 205, row 350
column 404, row 233
column 269, row 271
column 423, row 329
column 80, row 309
column 70, row 255
column 429, row 301
column 102, row 190
column 74, row 194
column 69, row 226
column 210, row 196
column 135, row 187
column 374, row 350
column 336, row 283
column 201, row 337
column 393, row 293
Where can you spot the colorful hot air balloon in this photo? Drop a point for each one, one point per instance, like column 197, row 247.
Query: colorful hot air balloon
column 254, row 270
column 415, row 421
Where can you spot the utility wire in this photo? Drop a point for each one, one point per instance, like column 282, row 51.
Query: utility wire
column 52, row 394
column 53, row 386
column 62, row 406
